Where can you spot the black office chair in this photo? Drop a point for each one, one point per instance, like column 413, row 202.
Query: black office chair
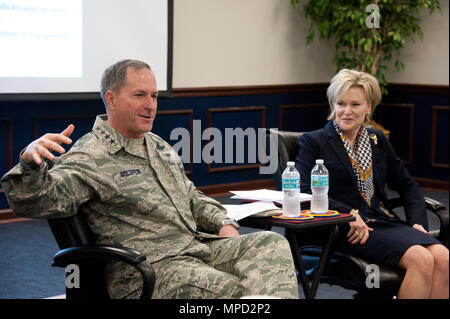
column 77, row 244
column 345, row 270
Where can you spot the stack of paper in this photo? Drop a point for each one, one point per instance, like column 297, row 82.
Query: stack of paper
column 266, row 195
column 241, row 211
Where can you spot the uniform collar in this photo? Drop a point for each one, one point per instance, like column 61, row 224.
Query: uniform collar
column 111, row 139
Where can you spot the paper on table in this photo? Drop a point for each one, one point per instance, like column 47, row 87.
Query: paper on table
column 241, row 211
column 259, row 194
column 266, row 195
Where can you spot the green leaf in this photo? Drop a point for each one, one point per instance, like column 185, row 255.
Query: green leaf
column 362, row 21
column 310, row 37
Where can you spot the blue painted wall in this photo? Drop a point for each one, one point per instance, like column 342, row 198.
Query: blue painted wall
column 412, row 117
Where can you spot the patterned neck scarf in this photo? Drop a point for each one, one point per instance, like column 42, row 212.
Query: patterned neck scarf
column 361, row 158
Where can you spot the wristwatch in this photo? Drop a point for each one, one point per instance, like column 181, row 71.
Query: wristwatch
column 228, row 221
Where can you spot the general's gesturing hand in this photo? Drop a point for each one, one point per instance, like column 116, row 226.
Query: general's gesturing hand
column 46, row 143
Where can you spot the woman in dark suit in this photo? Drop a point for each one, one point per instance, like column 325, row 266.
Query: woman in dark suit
column 360, row 161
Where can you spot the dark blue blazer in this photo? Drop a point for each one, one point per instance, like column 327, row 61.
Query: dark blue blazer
column 343, row 190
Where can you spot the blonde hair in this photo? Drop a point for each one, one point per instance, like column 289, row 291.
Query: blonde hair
column 346, row 79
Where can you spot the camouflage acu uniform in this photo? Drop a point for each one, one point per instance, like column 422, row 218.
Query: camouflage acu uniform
column 135, row 194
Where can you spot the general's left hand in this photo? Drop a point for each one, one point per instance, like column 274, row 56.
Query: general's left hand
column 228, row 231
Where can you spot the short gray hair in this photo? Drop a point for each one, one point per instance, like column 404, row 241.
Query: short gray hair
column 115, row 76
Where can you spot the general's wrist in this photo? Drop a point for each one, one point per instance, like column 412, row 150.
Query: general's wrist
column 227, row 222
column 28, row 165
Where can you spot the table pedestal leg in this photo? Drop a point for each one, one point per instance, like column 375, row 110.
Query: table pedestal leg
column 310, row 290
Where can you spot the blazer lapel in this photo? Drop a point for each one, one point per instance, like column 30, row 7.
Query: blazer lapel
column 377, row 164
column 336, row 144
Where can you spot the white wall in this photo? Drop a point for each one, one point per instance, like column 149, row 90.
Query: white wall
column 426, row 61
column 262, row 42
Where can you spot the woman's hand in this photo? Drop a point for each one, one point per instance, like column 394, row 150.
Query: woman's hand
column 359, row 231
column 420, row 227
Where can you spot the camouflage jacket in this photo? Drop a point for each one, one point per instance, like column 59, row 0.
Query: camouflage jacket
column 131, row 198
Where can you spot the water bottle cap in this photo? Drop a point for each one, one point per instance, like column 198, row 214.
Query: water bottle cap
column 319, row 161
column 290, row 163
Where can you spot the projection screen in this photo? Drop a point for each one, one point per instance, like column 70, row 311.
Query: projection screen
column 63, row 46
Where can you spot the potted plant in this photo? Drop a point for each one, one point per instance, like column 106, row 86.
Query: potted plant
column 367, row 33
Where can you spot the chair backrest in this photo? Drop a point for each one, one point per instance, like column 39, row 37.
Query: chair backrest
column 74, row 231
column 71, row 231
column 288, row 147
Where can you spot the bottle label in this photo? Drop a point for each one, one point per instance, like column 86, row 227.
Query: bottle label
column 291, row 183
column 319, row 180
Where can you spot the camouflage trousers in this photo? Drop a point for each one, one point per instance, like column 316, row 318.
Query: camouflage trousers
column 259, row 263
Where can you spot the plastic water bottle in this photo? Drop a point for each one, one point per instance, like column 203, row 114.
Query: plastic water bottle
column 319, row 188
column 291, row 191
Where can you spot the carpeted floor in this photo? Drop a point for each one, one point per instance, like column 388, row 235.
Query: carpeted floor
column 27, row 249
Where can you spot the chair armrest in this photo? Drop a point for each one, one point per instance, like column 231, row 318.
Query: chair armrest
column 82, row 253
column 434, row 205
column 74, row 255
column 441, row 212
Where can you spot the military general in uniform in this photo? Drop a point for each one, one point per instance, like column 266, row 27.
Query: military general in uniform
column 132, row 188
